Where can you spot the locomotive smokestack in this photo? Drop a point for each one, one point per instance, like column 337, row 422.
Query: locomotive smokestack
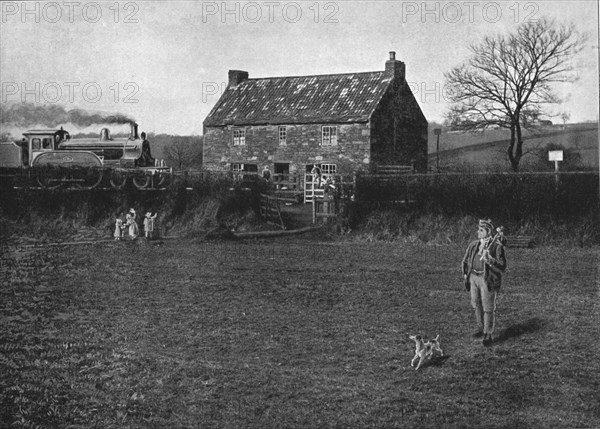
column 134, row 131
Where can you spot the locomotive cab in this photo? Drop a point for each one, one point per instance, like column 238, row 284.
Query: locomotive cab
column 42, row 141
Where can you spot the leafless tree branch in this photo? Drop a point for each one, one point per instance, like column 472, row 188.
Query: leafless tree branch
column 508, row 80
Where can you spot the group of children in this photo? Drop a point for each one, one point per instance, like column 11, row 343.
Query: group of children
column 130, row 225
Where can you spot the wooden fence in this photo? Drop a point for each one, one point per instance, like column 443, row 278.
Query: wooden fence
column 519, row 241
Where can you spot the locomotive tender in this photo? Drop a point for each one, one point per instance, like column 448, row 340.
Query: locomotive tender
column 53, row 159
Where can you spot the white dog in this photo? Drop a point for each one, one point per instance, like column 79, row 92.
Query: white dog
column 424, row 349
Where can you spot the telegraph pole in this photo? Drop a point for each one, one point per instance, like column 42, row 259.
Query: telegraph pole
column 437, row 132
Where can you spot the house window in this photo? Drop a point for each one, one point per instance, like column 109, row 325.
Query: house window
column 251, row 168
column 239, row 137
column 327, row 172
column 328, row 169
column 329, row 136
column 240, row 170
column 282, row 136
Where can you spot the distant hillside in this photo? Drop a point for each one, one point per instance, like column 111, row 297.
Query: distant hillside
column 488, row 149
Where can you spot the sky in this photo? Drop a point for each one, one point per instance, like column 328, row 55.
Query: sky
column 166, row 63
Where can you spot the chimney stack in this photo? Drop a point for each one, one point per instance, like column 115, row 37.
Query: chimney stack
column 134, row 131
column 105, row 134
column 236, row 77
column 394, row 68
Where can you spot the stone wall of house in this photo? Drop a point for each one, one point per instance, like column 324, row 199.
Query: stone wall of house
column 303, row 147
column 399, row 130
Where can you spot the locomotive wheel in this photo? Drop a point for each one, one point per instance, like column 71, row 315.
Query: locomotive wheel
column 161, row 180
column 90, row 179
column 49, row 179
column 142, row 181
column 118, row 179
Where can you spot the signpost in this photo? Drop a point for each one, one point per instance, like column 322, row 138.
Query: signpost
column 437, row 132
column 556, row 156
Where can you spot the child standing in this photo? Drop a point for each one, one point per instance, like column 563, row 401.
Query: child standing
column 118, row 229
column 132, row 224
column 149, row 225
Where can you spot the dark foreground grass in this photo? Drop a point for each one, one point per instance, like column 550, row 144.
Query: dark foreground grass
column 291, row 334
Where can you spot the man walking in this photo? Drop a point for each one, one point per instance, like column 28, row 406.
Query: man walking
column 482, row 267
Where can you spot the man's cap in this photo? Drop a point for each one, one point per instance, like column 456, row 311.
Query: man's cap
column 487, row 224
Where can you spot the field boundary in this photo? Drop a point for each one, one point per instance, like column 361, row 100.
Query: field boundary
column 240, row 235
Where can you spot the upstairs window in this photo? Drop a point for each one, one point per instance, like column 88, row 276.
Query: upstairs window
column 329, row 136
column 282, row 136
column 239, row 137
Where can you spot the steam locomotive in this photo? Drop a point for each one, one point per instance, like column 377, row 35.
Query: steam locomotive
column 52, row 159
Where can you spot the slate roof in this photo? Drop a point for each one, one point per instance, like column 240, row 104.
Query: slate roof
column 335, row 98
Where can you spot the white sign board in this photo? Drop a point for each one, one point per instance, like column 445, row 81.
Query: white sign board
column 555, row 155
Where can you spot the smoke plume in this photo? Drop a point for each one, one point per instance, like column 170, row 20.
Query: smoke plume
column 28, row 114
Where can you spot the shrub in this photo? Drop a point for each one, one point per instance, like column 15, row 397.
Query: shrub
column 567, row 208
column 190, row 203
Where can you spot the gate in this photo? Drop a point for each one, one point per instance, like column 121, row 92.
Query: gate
column 270, row 210
column 312, row 188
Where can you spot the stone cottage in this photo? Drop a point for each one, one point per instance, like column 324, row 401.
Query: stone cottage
column 341, row 122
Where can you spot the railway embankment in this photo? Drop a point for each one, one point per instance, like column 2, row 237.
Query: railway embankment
column 441, row 211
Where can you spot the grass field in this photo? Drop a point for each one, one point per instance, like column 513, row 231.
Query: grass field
column 488, row 149
column 291, row 333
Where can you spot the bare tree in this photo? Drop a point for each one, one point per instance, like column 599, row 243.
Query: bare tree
column 508, row 80
column 183, row 153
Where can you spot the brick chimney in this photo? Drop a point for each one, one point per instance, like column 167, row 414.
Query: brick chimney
column 395, row 68
column 236, row 77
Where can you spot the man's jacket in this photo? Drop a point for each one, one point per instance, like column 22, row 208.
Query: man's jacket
column 492, row 270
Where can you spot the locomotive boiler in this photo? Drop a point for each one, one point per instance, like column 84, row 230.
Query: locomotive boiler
column 52, row 158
